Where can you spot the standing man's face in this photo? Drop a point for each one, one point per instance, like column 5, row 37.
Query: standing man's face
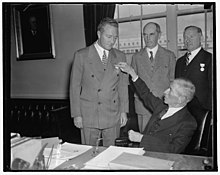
column 192, row 39
column 107, row 37
column 151, row 36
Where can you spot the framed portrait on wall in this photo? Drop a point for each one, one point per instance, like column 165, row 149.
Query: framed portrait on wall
column 33, row 31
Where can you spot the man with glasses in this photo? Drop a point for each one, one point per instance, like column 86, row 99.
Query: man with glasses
column 155, row 65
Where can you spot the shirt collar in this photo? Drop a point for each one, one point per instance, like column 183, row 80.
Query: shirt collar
column 100, row 50
column 170, row 112
column 194, row 53
column 154, row 50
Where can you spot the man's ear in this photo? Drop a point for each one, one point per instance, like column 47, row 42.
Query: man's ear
column 98, row 33
column 182, row 100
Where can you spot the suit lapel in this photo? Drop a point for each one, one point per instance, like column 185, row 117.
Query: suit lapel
column 194, row 64
column 145, row 61
column 172, row 120
column 159, row 58
column 95, row 63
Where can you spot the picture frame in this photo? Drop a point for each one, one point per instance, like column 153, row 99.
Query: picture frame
column 33, row 32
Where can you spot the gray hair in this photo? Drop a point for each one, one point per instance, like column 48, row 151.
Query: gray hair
column 186, row 88
column 106, row 21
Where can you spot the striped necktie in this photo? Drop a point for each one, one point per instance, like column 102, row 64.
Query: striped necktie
column 104, row 59
column 187, row 58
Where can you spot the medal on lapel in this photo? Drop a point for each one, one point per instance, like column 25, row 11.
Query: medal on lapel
column 202, row 67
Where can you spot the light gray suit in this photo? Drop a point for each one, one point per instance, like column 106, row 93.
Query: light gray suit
column 99, row 96
column 157, row 74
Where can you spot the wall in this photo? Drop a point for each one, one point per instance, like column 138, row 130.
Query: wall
column 49, row 78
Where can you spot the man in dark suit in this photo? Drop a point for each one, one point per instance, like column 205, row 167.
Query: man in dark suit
column 171, row 125
column 196, row 65
column 155, row 65
column 98, row 90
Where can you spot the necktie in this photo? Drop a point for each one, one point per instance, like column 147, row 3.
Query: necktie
column 151, row 56
column 163, row 112
column 104, row 59
column 187, row 57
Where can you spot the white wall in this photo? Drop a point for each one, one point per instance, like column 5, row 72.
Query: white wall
column 49, row 78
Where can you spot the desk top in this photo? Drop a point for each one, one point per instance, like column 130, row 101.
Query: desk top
column 182, row 162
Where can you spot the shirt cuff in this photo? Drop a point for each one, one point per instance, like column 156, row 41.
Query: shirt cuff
column 135, row 79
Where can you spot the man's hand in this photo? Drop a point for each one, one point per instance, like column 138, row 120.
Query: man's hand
column 78, row 122
column 128, row 69
column 123, row 119
column 134, row 136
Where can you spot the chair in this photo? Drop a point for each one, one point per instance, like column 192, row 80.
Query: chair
column 202, row 138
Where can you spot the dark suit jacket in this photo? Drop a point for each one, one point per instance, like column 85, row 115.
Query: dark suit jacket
column 199, row 71
column 99, row 96
column 156, row 75
column 38, row 43
column 168, row 135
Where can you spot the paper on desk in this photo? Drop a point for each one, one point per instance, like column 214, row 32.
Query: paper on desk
column 65, row 152
column 102, row 160
column 132, row 161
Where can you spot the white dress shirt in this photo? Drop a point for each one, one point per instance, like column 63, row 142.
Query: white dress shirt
column 170, row 112
column 100, row 50
column 154, row 50
column 193, row 54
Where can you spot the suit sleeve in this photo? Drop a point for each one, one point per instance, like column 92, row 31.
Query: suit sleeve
column 176, row 144
column 75, row 85
column 172, row 66
column 123, row 90
column 144, row 93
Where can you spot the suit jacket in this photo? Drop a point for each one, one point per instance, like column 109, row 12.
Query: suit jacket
column 156, row 75
column 97, row 95
column 171, row 134
column 199, row 71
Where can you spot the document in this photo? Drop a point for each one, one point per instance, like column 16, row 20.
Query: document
column 63, row 153
column 134, row 162
column 102, row 160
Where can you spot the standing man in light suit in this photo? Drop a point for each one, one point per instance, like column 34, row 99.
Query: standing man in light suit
column 98, row 90
column 155, row 65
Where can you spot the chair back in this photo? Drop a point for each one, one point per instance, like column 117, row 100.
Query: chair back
column 201, row 138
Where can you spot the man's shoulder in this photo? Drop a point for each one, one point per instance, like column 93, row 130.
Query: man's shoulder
column 165, row 50
column 118, row 52
column 139, row 53
column 208, row 54
column 84, row 49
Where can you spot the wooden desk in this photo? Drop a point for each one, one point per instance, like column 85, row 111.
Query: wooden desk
column 182, row 162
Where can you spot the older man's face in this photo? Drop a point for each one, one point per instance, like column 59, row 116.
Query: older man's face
column 151, row 36
column 170, row 95
column 192, row 39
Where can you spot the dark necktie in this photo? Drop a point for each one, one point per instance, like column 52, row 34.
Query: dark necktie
column 104, row 59
column 187, row 58
column 151, row 56
column 163, row 112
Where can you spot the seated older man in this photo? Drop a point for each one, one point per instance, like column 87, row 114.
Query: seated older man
column 171, row 126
